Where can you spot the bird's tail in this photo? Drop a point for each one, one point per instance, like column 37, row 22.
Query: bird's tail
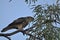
column 5, row 29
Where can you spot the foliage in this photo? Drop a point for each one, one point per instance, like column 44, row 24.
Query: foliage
column 30, row 1
column 45, row 18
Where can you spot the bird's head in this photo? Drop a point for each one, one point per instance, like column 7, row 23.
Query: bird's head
column 29, row 18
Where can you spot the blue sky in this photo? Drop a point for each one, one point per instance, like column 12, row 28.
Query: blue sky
column 13, row 10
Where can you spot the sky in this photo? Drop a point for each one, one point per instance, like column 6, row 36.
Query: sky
column 10, row 11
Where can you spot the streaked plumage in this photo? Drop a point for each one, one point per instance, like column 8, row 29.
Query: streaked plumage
column 19, row 23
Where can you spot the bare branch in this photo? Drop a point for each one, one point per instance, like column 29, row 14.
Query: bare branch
column 5, row 36
column 23, row 31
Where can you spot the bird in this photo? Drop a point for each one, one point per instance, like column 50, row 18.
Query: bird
column 19, row 23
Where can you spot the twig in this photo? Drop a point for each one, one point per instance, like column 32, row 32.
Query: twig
column 24, row 32
column 5, row 36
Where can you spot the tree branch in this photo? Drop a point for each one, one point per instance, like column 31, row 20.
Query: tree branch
column 23, row 31
column 5, row 36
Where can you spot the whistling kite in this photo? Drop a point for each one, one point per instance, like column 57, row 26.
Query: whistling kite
column 19, row 23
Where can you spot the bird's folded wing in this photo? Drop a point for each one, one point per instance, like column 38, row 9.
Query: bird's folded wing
column 17, row 21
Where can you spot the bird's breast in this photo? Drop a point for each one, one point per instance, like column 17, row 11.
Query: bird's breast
column 20, row 26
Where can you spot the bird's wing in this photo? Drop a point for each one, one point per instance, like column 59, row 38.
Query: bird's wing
column 17, row 21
